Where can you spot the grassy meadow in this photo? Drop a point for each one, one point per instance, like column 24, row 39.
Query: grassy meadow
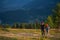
column 27, row 34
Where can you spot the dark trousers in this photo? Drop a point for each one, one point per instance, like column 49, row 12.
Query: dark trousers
column 43, row 33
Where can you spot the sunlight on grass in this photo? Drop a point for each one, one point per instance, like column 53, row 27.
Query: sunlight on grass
column 26, row 32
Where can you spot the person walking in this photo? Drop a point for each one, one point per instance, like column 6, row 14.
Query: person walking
column 47, row 28
column 42, row 29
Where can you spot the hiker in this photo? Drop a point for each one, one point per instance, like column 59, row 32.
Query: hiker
column 42, row 28
column 47, row 29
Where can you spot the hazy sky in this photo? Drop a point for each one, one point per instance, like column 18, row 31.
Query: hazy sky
column 12, row 4
column 6, row 5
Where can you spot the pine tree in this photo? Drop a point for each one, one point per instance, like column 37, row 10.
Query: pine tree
column 56, row 15
column 50, row 21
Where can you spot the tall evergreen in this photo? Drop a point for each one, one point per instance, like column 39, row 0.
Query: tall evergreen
column 56, row 15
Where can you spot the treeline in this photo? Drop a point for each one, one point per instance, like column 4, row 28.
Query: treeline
column 22, row 26
column 27, row 26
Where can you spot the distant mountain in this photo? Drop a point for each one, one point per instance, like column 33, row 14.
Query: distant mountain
column 20, row 15
column 39, row 9
column 13, row 16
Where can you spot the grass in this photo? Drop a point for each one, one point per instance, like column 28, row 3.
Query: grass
column 52, row 38
column 15, row 34
column 7, row 38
